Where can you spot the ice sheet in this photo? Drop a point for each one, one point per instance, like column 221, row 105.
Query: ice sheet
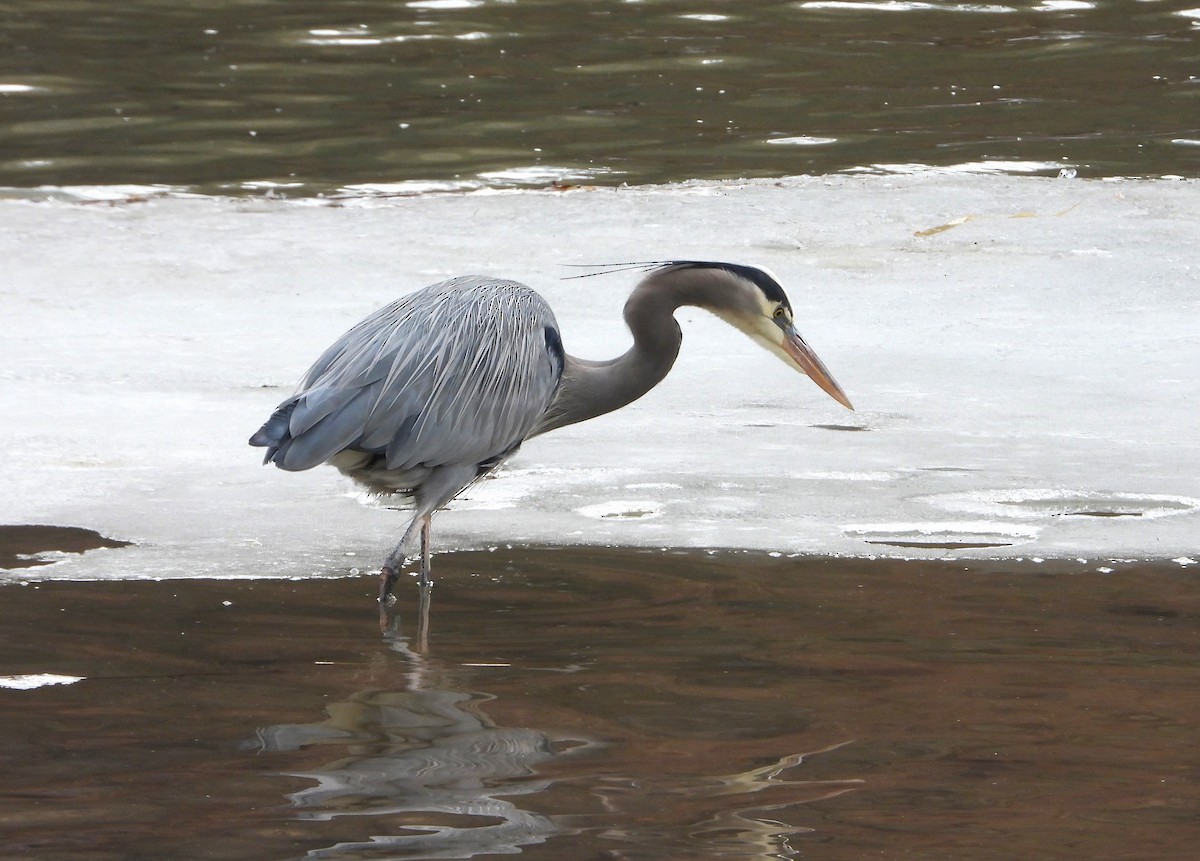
column 1022, row 353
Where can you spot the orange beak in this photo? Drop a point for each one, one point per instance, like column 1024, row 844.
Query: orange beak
column 808, row 361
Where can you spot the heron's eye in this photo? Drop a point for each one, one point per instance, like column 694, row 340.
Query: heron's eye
column 779, row 313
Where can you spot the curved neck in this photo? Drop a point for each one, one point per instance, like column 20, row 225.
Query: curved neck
column 592, row 388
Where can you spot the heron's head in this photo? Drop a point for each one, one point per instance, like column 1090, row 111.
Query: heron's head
column 751, row 299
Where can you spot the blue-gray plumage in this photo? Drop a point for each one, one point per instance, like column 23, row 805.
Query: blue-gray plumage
column 429, row 393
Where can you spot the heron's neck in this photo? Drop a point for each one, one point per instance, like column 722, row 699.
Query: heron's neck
column 592, row 388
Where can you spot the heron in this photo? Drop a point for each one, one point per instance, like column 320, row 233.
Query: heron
column 430, row 393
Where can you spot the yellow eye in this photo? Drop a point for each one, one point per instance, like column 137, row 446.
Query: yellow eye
column 779, row 313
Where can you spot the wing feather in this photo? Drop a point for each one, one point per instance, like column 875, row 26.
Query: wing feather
column 331, row 434
column 459, row 372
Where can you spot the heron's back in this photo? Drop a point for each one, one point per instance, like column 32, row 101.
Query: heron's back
column 457, row 373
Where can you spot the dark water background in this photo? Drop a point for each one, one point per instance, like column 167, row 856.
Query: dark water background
column 233, row 96
column 603, row 704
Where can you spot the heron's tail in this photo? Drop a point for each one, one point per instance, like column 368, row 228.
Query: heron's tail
column 274, row 435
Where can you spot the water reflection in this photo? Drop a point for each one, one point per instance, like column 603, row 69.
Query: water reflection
column 705, row 825
column 609, row 704
column 427, row 757
column 442, row 779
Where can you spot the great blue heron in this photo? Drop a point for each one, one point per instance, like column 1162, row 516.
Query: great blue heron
column 430, row 393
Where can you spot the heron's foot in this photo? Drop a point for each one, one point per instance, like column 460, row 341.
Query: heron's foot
column 387, row 580
column 389, row 621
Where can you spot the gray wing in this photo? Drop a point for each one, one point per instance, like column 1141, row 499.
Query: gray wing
column 458, row 372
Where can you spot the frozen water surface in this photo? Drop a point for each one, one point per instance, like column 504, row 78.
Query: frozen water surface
column 1022, row 353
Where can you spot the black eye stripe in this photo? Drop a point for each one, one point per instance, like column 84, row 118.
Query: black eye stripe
column 764, row 282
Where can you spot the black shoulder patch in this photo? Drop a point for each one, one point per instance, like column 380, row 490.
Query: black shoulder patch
column 555, row 348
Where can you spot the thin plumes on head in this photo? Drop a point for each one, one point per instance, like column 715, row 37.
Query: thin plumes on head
column 760, row 278
column 610, row 268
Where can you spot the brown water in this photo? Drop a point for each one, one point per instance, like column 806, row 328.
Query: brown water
column 28, row 546
column 603, row 704
column 235, row 95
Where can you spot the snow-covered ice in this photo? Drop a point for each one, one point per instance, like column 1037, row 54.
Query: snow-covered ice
column 1023, row 354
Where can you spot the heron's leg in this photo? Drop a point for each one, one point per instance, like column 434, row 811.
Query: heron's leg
column 387, row 580
column 395, row 561
column 422, row 644
column 426, row 562
column 442, row 485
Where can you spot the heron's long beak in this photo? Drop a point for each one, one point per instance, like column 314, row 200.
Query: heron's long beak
column 808, row 361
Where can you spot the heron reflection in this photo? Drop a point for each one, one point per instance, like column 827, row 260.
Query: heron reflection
column 429, row 759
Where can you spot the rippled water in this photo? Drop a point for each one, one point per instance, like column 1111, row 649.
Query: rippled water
column 312, row 97
column 608, row 705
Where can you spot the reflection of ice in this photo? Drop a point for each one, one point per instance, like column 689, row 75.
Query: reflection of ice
column 429, row 757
